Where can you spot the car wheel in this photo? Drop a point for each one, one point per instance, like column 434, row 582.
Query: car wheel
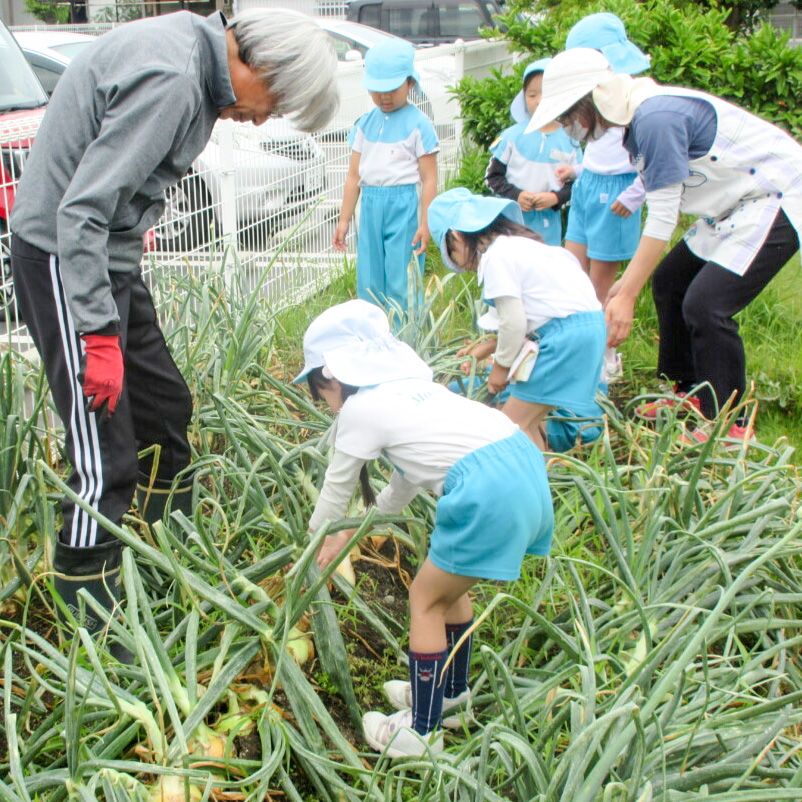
column 187, row 217
column 8, row 309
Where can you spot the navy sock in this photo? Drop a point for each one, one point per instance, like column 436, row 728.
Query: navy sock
column 457, row 673
column 427, row 690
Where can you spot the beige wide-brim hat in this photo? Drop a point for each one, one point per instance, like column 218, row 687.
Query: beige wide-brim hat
column 571, row 75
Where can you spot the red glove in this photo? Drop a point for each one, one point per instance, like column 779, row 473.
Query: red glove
column 102, row 372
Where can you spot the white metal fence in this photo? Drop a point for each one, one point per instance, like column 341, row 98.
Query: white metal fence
column 258, row 189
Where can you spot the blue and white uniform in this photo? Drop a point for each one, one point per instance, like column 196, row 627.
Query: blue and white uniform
column 565, row 317
column 604, row 177
column 494, row 504
column 389, row 146
column 530, row 160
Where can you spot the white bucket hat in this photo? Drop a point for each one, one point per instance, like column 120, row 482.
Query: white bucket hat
column 571, row 75
column 489, row 320
column 354, row 342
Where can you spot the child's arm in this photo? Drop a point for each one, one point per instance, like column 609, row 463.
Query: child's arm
column 350, row 197
column 630, row 200
column 342, row 476
column 428, row 178
column 511, row 335
column 496, row 181
column 567, row 172
column 479, row 351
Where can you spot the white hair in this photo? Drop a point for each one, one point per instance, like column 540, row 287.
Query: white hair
column 296, row 58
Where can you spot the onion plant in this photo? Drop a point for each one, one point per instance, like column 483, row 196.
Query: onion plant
column 653, row 656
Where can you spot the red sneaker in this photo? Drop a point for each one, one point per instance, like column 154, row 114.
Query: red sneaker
column 650, row 410
column 737, row 434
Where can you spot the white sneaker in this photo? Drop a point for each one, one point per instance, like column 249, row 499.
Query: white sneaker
column 395, row 736
column 399, row 694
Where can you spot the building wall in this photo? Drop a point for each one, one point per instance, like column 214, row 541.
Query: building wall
column 13, row 12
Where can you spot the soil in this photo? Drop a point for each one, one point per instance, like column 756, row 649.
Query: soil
column 37, row 617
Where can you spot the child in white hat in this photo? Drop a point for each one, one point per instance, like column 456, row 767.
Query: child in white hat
column 605, row 215
column 543, row 302
column 700, row 155
column 494, row 503
column 393, row 152
column 523, row 165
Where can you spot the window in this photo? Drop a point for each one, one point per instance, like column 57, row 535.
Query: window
column 343, row 46
column 47, row 72
column 461, row 21
column 371, row 15
column 408, row 21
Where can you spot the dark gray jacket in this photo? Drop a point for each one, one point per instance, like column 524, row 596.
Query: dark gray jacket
column 127, row 119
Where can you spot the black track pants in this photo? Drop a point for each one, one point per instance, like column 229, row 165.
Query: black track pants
column 155, row 406
column 696, row 302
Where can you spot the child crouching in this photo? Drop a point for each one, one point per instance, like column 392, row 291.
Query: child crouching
column 545, row 304
column 494, row 504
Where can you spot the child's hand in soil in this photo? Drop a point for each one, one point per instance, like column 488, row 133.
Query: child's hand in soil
column 332, row 546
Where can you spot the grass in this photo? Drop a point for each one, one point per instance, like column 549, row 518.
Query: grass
column 771, row 328
column 653, row 656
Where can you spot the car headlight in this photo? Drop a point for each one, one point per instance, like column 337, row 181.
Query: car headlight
column 13, row 161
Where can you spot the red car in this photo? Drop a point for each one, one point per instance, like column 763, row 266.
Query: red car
column 22, row 104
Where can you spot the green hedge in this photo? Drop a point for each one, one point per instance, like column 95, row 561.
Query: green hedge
column 689, row 46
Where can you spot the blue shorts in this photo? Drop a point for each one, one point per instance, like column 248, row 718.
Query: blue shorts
column 495, row 508
column 548, row 223
column 569, row 365
column 591, row 222
column 564, row 428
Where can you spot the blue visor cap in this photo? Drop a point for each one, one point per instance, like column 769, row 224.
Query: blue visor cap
column 388, row 64
column 605, row 32
column 460, row 210
column 518, row 105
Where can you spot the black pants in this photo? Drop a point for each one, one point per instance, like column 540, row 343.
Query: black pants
column 696, row 302
column 155, row 406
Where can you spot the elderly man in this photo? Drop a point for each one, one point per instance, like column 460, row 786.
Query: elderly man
column 127, row 120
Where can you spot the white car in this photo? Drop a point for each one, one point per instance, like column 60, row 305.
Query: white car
column 277, row 169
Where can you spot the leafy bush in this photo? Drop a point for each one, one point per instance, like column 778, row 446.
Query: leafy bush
column 49, row 12
column 689, row 46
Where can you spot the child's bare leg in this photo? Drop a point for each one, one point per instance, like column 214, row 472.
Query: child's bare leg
column 435, row 599
column 434, row 596
column 581, row 253
column 602, row 276
column 530, row 417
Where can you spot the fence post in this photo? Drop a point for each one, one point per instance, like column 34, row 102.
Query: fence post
column 459, row 74
column 228, row 193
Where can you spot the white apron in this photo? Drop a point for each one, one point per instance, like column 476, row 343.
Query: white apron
column 752, row 170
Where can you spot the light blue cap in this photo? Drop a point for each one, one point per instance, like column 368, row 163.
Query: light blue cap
column 518, row 105
column 605, row 32
column 353, row 341
column 388, row 64
column 460, row 210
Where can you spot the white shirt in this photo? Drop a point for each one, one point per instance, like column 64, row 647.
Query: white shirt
column 390, row 145
column 608, row 156
column 420, row 426
column 549, row 281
